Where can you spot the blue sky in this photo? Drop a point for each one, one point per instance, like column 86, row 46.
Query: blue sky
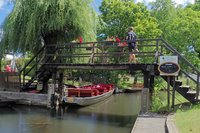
column 5, row 9
column 6, row 6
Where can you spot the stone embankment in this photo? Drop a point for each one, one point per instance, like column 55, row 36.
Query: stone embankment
column 26, row 98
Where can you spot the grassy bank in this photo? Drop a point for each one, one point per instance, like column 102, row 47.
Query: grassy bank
column 188, row 120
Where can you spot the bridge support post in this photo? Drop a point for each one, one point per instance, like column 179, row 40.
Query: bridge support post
column 145, row 100
column 151, row 87
column 146, row 79
column 173, row 92
column 198, row 86
column 168, row 92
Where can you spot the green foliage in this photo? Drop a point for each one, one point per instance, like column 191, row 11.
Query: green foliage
column 119, row 15
column 188, row 120
column 33, row 20
column 158, row 103
column 195, row 6
column 180, row 28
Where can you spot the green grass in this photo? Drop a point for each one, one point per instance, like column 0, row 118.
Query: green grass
column 188, row 120
column 159, row 101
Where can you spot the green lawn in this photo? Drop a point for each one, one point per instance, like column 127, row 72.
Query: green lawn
column 188, row 121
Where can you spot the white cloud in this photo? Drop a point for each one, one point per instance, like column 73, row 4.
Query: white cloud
column 4, row 2
column 1, row 3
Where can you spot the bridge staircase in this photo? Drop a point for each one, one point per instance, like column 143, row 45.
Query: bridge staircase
column 109, row 55
column 34, row 69
column 190, row 72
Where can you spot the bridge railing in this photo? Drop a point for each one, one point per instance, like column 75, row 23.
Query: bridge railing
column 105, row 52
column 110, row 52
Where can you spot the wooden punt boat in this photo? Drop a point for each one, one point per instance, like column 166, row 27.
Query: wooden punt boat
column 87, row 95
column 136, row 87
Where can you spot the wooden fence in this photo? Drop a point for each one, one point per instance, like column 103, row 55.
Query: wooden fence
column 9, row 81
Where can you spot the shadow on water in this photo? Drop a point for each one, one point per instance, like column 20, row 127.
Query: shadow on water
column 118, row 110
column 116, row 114
column 119, row 120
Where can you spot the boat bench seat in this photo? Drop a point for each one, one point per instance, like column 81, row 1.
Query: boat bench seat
column 73, row 93
column 107, row 86
column 82, row 92
column 102, row 90
column 87, row 92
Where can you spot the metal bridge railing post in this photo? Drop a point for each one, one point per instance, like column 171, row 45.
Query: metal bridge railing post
column 197, row 89
column 157, row 52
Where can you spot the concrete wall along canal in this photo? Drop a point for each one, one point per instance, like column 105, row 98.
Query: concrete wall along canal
column 26, row 98
column 10, row 90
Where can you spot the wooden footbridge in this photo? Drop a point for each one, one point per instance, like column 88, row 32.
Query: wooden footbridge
column 51, row 60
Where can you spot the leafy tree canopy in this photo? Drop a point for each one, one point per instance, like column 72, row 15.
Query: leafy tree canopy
column 180, row 26
column 195, row 6
column 119, row 15
column 184, row 32
column 51, row 20
column 164, row 11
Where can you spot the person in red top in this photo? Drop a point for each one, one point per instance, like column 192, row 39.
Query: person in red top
column 80, row 39
column 8, row 68
column 117, row 39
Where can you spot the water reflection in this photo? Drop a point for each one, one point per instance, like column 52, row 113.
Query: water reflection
column 114, row 115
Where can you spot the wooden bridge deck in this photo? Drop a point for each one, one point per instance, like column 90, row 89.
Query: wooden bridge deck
column 123, row 66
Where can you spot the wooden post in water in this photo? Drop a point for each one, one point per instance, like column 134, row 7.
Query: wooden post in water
column 51, row 96
column 51, row 91
column 144, row 100
column 60, row 87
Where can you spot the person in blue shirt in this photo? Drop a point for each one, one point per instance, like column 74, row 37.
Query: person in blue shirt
column 132, row 46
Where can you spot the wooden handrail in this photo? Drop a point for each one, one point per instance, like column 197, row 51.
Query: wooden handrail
column 32, row 59
column 170, row 48
column 180, row 56
column 189, row 76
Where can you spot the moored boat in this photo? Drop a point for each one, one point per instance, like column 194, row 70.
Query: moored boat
column 136, row 88
column 132, row 90
column 88, row 95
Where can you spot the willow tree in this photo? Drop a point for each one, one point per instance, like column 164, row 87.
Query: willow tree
column 53, row 21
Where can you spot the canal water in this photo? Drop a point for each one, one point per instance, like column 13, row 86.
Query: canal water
column 116, row 114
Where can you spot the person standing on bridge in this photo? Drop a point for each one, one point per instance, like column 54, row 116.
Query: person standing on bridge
column 132, row 46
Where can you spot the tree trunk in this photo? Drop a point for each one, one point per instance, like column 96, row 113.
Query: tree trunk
column 135, row 79
column 49, row 39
